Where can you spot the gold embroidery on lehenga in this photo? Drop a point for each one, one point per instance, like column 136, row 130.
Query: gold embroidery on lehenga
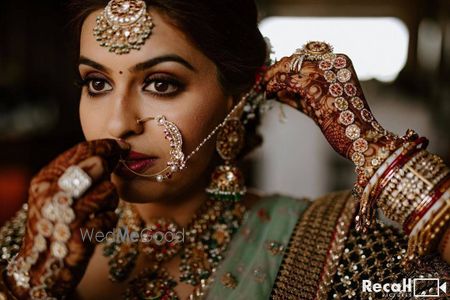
column 302, row 266
column 327, row 258
column 336, row 248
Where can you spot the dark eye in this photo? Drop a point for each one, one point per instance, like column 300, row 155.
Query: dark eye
column 98, row 86
column 162, row 87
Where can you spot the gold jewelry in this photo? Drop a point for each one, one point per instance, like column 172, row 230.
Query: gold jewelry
column 227, row 181
column 75, row 181
column 410, row 185
column 315, row 50
column 53, row 233
column 426, row 238
column 207, row 238
column 123, row 25
column 173, row 135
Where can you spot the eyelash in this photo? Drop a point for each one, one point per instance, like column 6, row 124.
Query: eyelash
column 165, row 79
column 84, row 82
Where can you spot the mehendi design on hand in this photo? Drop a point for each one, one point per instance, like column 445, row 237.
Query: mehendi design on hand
column 326, row 88
column 53, row 256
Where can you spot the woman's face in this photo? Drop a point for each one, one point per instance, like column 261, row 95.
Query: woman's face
column 168, row 76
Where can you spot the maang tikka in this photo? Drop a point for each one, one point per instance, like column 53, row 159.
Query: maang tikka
column 227, row 180
column 123, row 25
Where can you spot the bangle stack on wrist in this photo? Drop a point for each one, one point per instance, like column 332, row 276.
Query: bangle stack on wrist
column 411, row 188
column 428, row 231
column 405, row 187
column 370, row 189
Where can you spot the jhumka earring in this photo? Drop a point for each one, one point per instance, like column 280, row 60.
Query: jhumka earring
column 227, row 181
column 123, row 25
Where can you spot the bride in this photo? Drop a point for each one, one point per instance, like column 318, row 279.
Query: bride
column 153, row 204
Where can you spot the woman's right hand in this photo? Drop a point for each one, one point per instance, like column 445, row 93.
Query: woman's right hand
column 53, row 256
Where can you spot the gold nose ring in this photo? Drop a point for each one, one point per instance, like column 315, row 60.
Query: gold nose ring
column 172, row 134
column 143, row 120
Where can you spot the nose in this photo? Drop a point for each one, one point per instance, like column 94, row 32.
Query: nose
column 123, row 119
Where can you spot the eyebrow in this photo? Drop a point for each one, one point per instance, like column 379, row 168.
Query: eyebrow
column 160, row 59
column 86, row 61
column 140, row 66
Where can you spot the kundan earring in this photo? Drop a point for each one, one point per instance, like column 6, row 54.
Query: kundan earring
column 227, row 181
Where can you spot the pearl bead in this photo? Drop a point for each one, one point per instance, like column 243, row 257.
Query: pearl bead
column 159, row 178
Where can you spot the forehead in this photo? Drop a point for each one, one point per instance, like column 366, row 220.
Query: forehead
column 164, row 39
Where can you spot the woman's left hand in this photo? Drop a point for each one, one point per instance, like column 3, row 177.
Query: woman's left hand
column 327, row 90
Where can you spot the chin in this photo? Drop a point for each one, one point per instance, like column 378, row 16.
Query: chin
column 139, row 190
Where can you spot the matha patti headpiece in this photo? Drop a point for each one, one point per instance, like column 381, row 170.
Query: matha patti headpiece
column 123, row 25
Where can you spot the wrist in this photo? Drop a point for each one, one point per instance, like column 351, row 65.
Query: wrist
column 384, row 159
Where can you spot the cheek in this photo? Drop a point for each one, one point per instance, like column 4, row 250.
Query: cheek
column 198, row 121
column 90, row 121
column 200, row 114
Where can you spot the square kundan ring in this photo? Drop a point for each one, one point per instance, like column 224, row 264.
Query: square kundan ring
column 74, row 181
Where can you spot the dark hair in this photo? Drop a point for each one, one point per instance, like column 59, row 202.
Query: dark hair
column 226, row 31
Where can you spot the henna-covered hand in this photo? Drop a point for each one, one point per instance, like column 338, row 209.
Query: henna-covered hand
column 325, row 87
column 94, row 210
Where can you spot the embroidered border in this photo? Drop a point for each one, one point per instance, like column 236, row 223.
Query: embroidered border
column 302, row 270
column 336, row 248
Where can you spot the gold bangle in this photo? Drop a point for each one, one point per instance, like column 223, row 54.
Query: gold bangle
column 426, row 239
column 410, row 186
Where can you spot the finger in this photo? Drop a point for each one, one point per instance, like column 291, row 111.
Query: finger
column 276, row 83
column 283, row 65
column 108, row 149
column 96, row 167
column 102, row 197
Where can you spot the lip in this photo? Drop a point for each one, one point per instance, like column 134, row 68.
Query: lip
column 135, row 161
column 133, row 155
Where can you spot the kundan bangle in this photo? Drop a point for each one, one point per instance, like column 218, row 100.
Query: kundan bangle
column 407, row 153
column 419, row 213
column 364, row 197
column 377, row 182
column 410, row 185
column 429, row 230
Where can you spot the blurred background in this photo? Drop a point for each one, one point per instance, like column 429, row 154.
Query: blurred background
column 400, row 49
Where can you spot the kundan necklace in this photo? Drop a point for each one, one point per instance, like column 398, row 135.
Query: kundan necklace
column 200, row 245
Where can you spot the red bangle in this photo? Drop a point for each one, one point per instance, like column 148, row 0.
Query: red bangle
column 425, row 206
column 402, row 159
